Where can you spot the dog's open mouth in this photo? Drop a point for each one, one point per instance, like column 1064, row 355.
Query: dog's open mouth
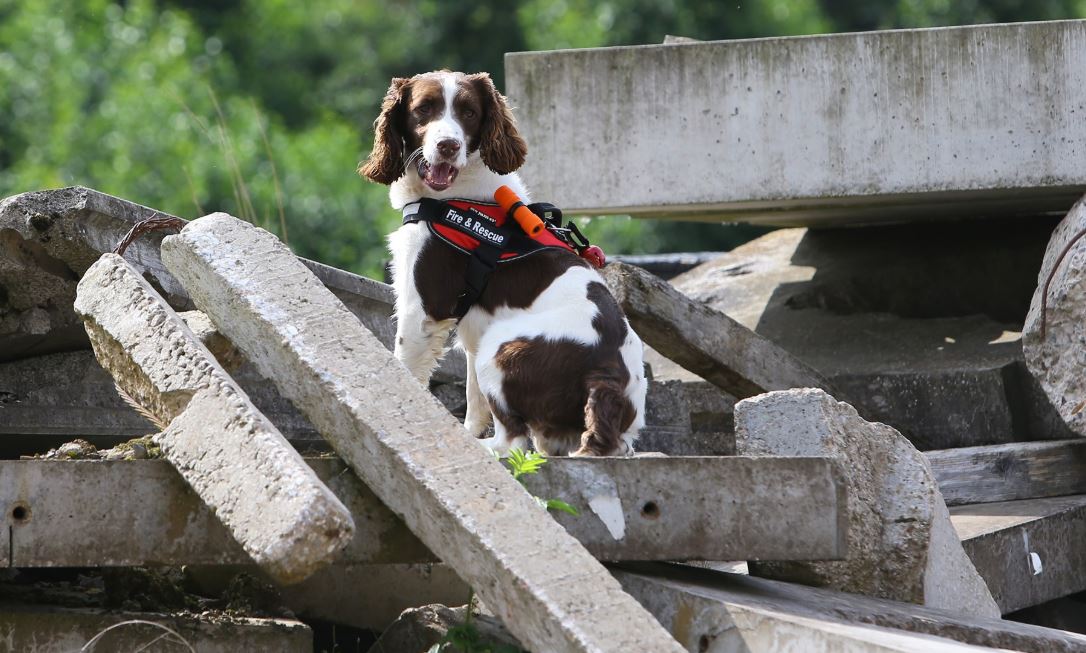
column 439, row 176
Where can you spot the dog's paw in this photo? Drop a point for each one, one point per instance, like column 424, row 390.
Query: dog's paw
column 478, row 429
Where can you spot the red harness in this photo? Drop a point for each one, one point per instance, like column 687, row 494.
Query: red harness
column 485, row 233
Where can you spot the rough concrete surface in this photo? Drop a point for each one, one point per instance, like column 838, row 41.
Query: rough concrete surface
column 1052, row 342
column 459, row 501
column 40, row 629
column 176, row 528
column 917, row 323
column 698, row 606
column 878, row 126
column 248, row 474
column 658, row 506
column 901, row 542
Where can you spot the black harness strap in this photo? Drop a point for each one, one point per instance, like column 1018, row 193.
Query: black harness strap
column 493, row 241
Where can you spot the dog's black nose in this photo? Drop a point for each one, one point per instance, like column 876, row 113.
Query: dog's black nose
column 448, row 148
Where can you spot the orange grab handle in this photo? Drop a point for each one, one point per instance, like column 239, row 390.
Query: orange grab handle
column 528, row 221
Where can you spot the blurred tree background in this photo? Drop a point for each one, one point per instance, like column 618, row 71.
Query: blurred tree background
column 263, row 108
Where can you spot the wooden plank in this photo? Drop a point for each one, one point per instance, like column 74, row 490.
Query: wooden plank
column 708, row 610
column 705, row 341
column 668, row 508
column 1028, row 551
column 1007, row 472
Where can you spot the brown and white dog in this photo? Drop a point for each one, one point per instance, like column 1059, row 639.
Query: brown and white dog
column 549, row 353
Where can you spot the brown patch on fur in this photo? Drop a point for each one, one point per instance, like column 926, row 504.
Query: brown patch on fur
column 386, row 160
column 440, row 271
column 562, row 388
column 501, row 146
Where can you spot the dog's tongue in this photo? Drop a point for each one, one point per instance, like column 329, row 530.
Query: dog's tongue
column 441, row 175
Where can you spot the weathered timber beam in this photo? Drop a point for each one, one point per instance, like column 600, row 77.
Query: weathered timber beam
column 1029, row 551
column 403, row 444
column 708, row 611
column 1008, row 472
column 666, row 508
column 705, row 341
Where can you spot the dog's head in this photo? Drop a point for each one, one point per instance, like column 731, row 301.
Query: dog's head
column 432, row 124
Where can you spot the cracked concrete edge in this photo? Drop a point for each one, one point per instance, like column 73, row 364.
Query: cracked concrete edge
column 248, row 474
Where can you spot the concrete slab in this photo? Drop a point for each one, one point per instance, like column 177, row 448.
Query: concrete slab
column 247, row 473
column 705, row 608
column 660, row 504
column 1007, row 472
column 722, row 507
column 1028, row 551
column 704, row 341
column 860, row 128
column 107, row 501
column 404, row 444
column 42, row 629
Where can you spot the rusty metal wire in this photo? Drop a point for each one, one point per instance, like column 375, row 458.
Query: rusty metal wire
column 156, row 222
column 1052, row 273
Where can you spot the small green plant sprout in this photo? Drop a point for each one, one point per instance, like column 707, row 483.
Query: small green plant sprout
column 522, row 464
column 466, row 637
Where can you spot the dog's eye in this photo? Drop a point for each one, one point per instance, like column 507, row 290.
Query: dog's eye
column 469, row 114
column 424, row 109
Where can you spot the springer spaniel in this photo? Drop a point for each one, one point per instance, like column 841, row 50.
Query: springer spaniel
column 549, row 352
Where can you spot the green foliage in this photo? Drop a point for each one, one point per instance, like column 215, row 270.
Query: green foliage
column 522, row 464
column 263, row 108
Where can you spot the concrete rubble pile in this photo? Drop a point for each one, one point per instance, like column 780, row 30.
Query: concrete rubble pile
column 848, row 412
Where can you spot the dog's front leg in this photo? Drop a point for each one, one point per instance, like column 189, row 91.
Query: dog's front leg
column 420, row 342
column 478, row 414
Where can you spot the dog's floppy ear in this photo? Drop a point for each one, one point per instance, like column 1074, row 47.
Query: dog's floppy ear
column 385, row 163
column 500, row 144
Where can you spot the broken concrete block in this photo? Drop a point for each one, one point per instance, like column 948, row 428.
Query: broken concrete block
column 901, row 542
column 227, row 451
column 402, row 443
column 417, row 629
column 1056, row 325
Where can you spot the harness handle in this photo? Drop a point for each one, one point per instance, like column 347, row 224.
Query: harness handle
column 511, row 204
